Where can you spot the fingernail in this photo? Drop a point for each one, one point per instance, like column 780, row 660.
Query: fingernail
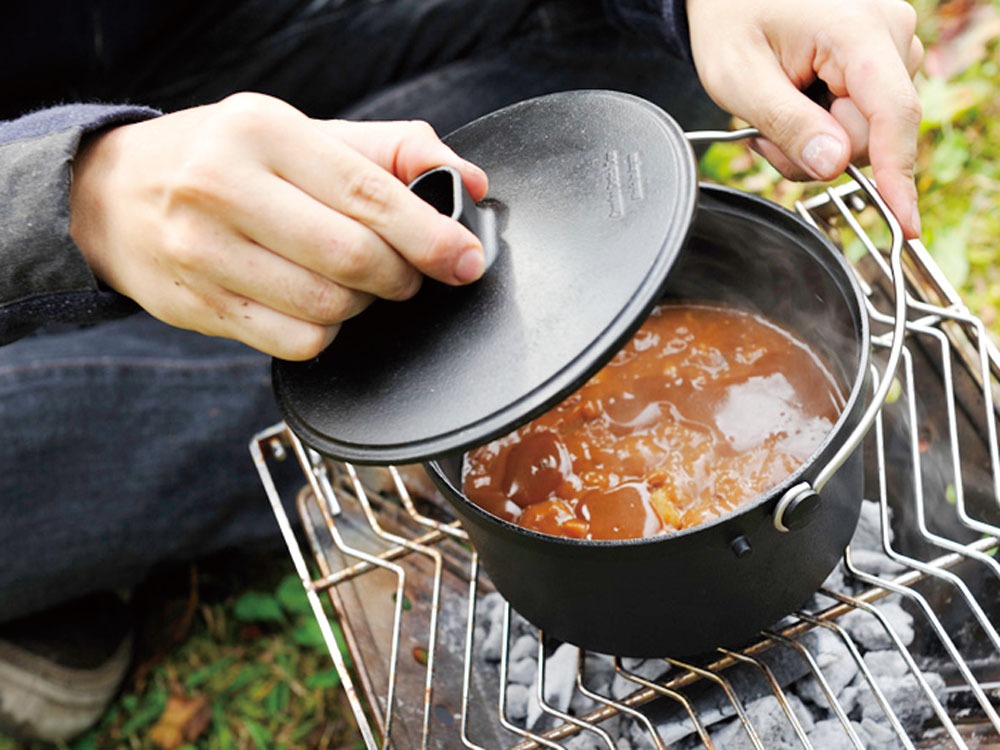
column 915, row 219
column 470, row 265
column 822, row 156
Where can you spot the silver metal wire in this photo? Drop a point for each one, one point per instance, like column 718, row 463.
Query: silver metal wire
column 430, row 657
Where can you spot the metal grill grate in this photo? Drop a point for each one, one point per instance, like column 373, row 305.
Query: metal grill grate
column 438, row 660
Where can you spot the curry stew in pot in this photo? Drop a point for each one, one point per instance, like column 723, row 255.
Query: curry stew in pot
column 705, row 408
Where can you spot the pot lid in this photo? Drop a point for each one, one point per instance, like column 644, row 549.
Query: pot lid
column 591, row 197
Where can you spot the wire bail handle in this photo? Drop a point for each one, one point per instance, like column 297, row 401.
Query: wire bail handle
column 806, row 494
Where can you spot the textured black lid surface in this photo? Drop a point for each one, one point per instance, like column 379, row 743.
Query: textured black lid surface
column 593, row 193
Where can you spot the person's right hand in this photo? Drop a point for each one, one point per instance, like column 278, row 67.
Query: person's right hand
column 246, row 219
column 757, row 57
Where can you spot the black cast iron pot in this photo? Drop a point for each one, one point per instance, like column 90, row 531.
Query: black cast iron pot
column 720, row 583
column 592, row 198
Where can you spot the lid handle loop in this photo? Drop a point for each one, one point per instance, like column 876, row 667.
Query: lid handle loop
column 443, row 188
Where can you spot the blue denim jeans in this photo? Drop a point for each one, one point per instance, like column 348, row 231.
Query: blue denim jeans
column 125, row 444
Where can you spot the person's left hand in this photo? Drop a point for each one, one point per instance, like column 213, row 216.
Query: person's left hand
column 755, row 58
column 247, row 219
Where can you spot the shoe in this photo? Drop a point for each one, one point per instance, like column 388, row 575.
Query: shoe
column 60, row 668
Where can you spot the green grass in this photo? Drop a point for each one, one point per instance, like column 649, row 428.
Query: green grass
column 250, row 670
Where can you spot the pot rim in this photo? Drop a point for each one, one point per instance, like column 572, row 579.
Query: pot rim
column 781, row 218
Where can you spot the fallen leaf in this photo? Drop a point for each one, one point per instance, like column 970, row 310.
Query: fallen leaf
column 183, row 720
column 953, row 14
column 966, row 46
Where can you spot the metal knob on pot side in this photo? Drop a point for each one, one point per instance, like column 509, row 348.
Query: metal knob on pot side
column 796, row 507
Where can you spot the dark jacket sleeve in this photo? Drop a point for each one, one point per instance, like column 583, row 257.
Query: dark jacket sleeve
column 43, row 276
column 664, row 20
